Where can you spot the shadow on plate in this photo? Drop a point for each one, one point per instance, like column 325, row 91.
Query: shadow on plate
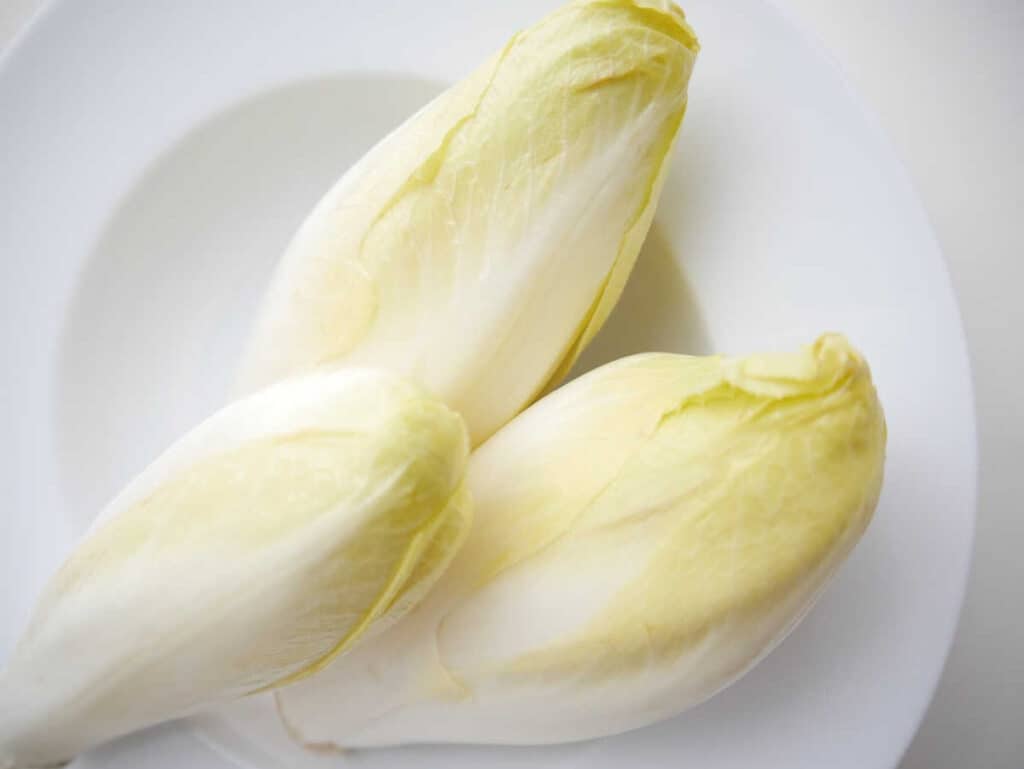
column 658, row 311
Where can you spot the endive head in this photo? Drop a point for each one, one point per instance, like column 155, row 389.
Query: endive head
column 751, row 478
column 481, row 245
column 643, row 535
column 260, row 546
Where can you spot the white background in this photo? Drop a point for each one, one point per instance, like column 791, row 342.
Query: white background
column 944, row 78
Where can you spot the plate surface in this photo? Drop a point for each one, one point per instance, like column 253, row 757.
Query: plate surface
column 156, row 157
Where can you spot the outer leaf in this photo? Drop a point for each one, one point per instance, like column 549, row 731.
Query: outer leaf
column 261, row 545
column 643, row 536
column 481, row 245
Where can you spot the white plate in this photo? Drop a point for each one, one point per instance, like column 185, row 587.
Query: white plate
column 155, row 157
